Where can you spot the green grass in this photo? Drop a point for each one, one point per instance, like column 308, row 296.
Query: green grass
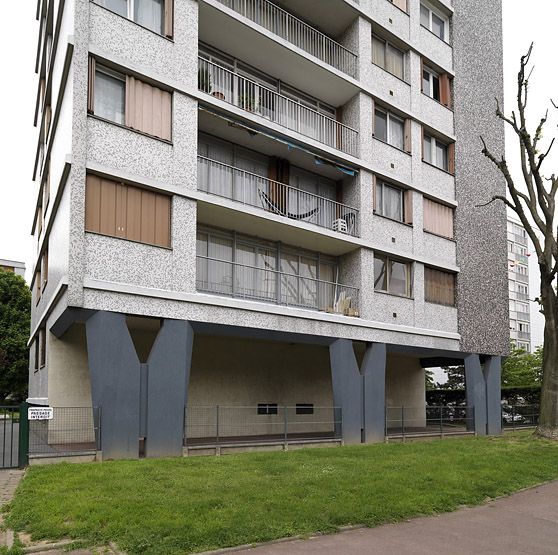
column 186, row 505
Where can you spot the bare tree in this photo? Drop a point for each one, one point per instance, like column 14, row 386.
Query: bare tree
column 534, row 204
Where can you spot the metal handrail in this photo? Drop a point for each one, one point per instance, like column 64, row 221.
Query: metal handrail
column 299, row 291
column 297, row 32
column 255, row 190
column 253, row 97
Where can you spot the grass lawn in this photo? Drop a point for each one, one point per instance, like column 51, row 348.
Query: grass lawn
column 186, row 505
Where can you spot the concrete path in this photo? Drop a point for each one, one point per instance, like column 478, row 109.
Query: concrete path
column 526, row 522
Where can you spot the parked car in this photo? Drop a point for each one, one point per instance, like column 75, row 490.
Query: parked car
column 510, row 417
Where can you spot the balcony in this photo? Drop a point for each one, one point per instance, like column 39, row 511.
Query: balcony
column 222, row 277
column 521, row 277
column 522, row 258
column 248, row 188
column 254, row 98
column 300, row 34
column 523, row 316
column 520, row 239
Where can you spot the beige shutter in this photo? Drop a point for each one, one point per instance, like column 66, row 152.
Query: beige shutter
column 107, row 219
column 121, row 194
column 148, row 217
column 374, row 193
column 401, row 4
column 169, row 18
column 439, row 287
column 46, row 187
column 451, row 158
column 91, row 87
column 421, row 73
column 408, row 206
column 44, row 270
column 93, row 204
column 408, row 137
column 445, row 90
column 133, row 214
column 162, row 220
column 39, row 222
column 438, row 218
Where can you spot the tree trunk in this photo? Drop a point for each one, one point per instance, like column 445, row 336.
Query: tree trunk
column 548, row 415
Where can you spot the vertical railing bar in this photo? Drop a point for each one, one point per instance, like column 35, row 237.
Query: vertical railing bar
column 403, row 422
column 217, row 424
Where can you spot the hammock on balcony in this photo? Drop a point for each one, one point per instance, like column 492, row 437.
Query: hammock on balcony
column 267, row 202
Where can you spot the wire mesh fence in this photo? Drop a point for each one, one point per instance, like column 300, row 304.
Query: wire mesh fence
column 219, row 424
column 71, row 431
column 407, row 421
column 515, row 417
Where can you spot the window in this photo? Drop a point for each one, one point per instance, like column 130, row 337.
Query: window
column 125, row 100
column 304, row 408
column 438, row 154
column 38, row 284
column 267, row 408
column 523, row 327
column 155, row 15
column 434, row 21
column 439, row 287
column 401, row 4
column 128, row 212
column 522, row 270
column 393, row 202
column 510, row 246
column 389, row 128
column 46, row 188
column 44, row 270
column 436, row 85
column 37, row 349
column 438, row 218
column 392, row 276
column 388, row 57
column 42, row 349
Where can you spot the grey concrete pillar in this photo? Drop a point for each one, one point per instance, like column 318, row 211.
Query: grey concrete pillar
column 347, row 388
column 115, row 383
column 493, row 376
column 475, row 388
column 167, row 386
column 374, row 397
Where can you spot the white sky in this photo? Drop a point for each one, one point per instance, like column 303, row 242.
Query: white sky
column 523, row 22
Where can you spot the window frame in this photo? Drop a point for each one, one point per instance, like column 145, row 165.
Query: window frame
column 380, row 185
column 268, row 409
column 440, row 15
column 453, row 304
column 304, row 408
column 434, row 142
column 431, row 75
column 389, row 115
column 100, row 68
column 387, row 269
column 387, row 45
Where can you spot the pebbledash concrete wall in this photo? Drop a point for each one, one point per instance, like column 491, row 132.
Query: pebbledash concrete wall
column 482, row 288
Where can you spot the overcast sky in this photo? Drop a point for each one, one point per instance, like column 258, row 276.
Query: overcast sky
column 523, row 23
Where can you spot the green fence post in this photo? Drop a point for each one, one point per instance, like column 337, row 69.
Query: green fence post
column 23, row 447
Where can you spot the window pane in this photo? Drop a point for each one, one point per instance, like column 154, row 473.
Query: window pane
column 396, row 133
column 149, row 13
column 118, row 6
column 435, row 88
column 392, row 203
column 441, row 156
column 398, row 278
column 424, row 16
column 426, row 89
column 427, row 149
column 109, row 97
column 380, row 276
column 380, row 126
column 395, row 61
column 438, row 26
column 378, row 52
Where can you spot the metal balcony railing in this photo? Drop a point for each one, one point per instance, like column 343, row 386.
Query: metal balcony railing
column 520, row 239
column 242, row 186
column 521, row 277
column 523, row 335
column 524, row 316
column 295, row 31
column 253, row 97
column 520, row 296
column 522, row 258
column 234, row 279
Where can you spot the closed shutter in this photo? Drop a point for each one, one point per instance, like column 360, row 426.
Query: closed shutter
column 439, row 287
column 169, row 18
column 44, row 271
column 408, row 138
column 445, row 90
column 401, row 4
column 148, row 108
column 408, row 207
column 438, row 218
column 451, row 158
column 374, row 193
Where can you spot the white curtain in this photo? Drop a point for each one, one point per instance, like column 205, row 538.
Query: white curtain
column 220, row 266
column 378, row 52
column 110, row 97
column 392, row 203
column 149, row 13
column 396, row 133
column 394, row 62
column 247, row 187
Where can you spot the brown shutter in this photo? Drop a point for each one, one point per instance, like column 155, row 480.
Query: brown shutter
column 401, row 4
column 162, row 220
column 445, row 90
column 408, row 206
column 169, row 18
column 166, row 115
column 133, row 214
column 438, row 218
column 46, row 187
column 39, row 222
column 107, row 219
column 42, row 341
column 121, row 209
column 148, row 217
column 408, row 138
column 421, row 72
column 439, row 287
column 451, row 158
column 44, row 270
column 91, row 87
column 93, row 204
column 374, row 195
column 38, row 283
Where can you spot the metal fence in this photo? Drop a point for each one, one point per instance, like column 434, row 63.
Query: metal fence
column 266, row 285
column 515, row 417
column 242, row 186
column 217, row 424
column 295, row 31
column 9, row 436
column 72, row 430
column 254, row 97
column 404, row 421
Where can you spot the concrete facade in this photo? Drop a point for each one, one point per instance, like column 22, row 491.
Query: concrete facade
column 110, row 303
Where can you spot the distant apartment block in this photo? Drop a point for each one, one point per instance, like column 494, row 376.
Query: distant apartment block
column 13, row 266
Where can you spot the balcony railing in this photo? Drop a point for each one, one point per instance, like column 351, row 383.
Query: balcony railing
column 524, row 316
column 255, row 98
column 295, row 31
column 248, row 188
column 523, row 335
column 521, row 277
column 233, row 279
column 520, row 239
column 522, row 258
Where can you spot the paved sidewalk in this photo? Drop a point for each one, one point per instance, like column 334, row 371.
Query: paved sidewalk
column 526, row 522
column 9, row 479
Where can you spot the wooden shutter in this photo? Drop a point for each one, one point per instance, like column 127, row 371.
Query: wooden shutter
column 401, row 4
column 46, row 187
column 162, row 220
column 374, row 193
column 439, row 287
column 408, row 138
column 38, row 283
column 445, row 90
column 169, row 18
column 148, row 108
column 438, row 218
column 44, row 270
column 421, row 73
column 451, row 158
column 91, row 87
column 148, row 217
column 373, row 118
column 39, row 222
column 408, row 206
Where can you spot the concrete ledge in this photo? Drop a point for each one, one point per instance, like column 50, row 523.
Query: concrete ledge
column 46, row 459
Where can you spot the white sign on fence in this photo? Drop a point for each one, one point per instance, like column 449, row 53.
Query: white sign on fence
column 40, row 413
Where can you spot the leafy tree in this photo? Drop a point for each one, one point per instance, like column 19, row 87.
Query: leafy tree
column 456, row 377
column 429, row 379
column 15, row 319
column 522, row 368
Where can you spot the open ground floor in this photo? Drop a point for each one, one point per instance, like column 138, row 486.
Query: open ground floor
column 130, row 386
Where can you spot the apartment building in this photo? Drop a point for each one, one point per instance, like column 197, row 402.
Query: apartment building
column 518, row 281
column 262, row 204
column 13, row 266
